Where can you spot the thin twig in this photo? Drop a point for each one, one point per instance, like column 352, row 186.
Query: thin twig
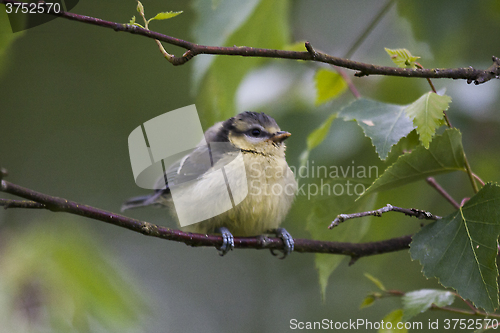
column 432, row 182
column 448, row 123
column 494, row 326
column 471, row 174
column 6, row 203
column 350, row 84
column 473, row 310
column 464, row 200
column 478, row 179
column 470, row 74
column 164, row 52
column 464, row 312
column 55, row 204
column 469, row 304
column 420, row 214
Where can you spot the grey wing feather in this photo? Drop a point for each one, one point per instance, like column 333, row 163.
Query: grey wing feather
column 142, row 201
column 190, row 167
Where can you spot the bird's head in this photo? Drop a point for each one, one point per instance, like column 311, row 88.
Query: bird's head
column 256, row 132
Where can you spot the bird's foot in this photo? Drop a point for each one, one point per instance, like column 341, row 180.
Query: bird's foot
column 288, row 243
column 227, row 241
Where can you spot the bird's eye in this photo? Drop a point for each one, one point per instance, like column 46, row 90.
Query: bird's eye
column 256, row 132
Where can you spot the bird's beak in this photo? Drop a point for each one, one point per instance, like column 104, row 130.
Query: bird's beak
column 279, row 136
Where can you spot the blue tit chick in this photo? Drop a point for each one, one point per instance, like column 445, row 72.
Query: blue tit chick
column 270, row 181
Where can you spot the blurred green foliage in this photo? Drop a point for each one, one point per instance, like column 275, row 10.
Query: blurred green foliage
column 55, row 277
column 6, row 37
column 265, row 27
column 457, row 31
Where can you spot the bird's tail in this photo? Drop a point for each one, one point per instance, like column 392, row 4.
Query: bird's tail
column 141, row 201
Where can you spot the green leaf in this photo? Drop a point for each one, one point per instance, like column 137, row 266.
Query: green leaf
column 329, row 84
column 376, row 281
column 165, row 15
column 445, row 154
column 392, row 320
column 402, row 57
column 419, row 301
column 140, row 7
column 319, row 134
column 132, row 20
column 461, row 248
column 324, row 209
column 406, row 144
column 315, row 138
column 368, row 301
column 265, row 26
column 215, row 25
column 385, row 124
column 427, row 113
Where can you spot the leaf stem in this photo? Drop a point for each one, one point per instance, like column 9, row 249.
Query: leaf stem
column 164, row 52
column 448, row 123
column 471, row 174
column 465, row 312
column 469, row 304
column 432, row 182
column 349, row 82
column 478, row 179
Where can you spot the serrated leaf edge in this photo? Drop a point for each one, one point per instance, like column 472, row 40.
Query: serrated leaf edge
column 403, row 107
column 406, row 154
column 401, row 113
column 423, row 131
column 475, row 257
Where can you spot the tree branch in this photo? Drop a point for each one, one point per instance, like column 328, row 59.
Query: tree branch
column 470, row 74
column 55, row 204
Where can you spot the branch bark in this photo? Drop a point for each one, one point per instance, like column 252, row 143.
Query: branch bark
column 56, row 204
column 362, row 69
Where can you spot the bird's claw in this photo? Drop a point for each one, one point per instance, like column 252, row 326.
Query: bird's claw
column 288, row 243
column 227, row 241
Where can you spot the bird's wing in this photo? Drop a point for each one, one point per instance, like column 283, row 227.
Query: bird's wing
column 194, row 165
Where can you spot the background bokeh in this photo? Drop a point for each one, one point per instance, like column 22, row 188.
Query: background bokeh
column 70, row 94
